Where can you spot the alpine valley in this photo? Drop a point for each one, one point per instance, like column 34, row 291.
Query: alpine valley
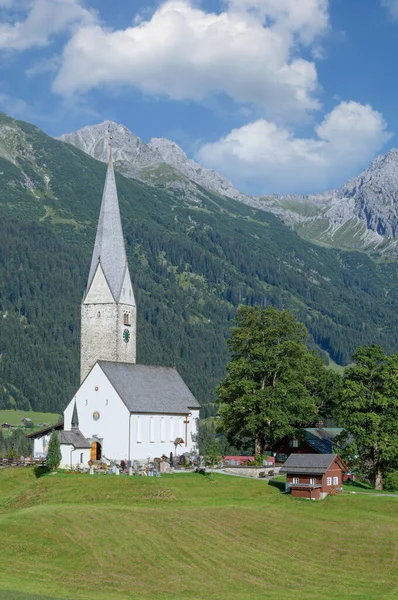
column 197, row 248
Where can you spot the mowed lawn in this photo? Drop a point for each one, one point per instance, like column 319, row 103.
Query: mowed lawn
column 188, row 536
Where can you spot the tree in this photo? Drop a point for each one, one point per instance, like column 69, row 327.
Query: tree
column 54, row 455
column 367, row 409
column 273, row 384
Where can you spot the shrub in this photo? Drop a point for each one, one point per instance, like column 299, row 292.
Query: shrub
column 391, row 481
column 40, row 470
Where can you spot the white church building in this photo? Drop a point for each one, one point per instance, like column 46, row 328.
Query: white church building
column 122, row 410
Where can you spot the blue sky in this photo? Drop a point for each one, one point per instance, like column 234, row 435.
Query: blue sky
column 278, row 95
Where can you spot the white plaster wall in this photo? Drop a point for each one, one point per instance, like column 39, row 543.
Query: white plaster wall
column 40, row 446
column 74, row 456
column 143, row 449
column 112, row 428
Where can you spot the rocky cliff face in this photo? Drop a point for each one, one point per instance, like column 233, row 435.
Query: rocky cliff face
column 362, row 214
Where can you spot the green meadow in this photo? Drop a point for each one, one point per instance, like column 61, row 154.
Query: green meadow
column 189, row 536
column 14, row 417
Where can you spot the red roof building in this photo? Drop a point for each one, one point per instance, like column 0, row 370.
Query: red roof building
column 313, row 476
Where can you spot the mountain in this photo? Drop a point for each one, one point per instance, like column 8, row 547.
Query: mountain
column 160, row 162
column 192, row 261
column 362, row 214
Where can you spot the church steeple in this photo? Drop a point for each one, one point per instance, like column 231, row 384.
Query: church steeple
column 109, row 248
column 108, row 315
column 75, row 418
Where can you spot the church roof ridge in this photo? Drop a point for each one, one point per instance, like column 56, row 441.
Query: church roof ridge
column 109, row 247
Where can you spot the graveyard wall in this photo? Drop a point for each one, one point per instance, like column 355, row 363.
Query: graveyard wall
column 253, row 472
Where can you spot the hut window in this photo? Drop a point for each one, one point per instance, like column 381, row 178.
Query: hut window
column 295, row 444
column 313, row 481
column 328, row 481
column 296, row 480
column 126, row 318
column 335, row 481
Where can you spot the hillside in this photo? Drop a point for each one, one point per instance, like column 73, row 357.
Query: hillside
column 189, row 536
column 192, row 262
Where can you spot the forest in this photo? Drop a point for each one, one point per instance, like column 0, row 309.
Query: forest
column 192, row 264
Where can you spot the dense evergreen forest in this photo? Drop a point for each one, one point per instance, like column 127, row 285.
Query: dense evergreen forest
column 192, row 264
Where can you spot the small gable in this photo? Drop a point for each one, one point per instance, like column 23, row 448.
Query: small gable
column 99, row 292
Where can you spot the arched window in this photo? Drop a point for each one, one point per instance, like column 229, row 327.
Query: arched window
column 162, row 428
column 86, row 401
column 81, row 457
column 126, row 319
column 151, row 429
column 138, row 429
column 106, row 402
column 172, row 434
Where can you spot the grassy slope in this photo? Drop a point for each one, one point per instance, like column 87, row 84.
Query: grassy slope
column 14, row 417
column 184, row 536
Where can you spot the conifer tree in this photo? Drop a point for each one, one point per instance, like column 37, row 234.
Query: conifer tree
column 54, row 455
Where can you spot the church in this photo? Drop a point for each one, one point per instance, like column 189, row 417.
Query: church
column 122, row 410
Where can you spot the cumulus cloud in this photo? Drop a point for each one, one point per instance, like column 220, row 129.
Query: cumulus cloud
column 272, row 157
column 307, row 18
column 42, row 20
column 248, row 52
column 392, row 6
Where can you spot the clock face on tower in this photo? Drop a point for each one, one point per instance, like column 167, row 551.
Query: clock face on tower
column 126, row 335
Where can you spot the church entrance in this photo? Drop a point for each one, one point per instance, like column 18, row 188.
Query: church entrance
column 95, row 453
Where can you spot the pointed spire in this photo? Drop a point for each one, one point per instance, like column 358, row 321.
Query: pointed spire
column 109, row 248
column 75, row 418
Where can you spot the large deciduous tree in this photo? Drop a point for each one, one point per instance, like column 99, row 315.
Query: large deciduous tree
column 274, row 383
column 367, row 409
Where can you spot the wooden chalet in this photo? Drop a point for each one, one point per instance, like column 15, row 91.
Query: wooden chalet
column 315, row 440
column 313, row 476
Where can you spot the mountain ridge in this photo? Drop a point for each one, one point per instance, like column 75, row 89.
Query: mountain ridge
column 362, row 214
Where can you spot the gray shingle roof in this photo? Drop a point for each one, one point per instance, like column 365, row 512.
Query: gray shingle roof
column 109, row 248
column 322, row 439
column 308, row 463
column 74, row 437
column 149, row 389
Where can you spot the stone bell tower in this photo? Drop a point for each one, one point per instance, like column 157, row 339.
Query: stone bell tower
column 108, row 311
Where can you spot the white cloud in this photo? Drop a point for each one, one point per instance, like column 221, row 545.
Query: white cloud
column 42, row 20
column 392, row 6
column 183, row 53
column 307, row 18
column 261, row 154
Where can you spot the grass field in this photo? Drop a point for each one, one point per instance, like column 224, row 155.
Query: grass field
column 14, row 417
column 189, row 536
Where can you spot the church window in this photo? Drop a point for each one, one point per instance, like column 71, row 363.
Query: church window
column 106, row 402
column 126, row 319
column 98, row 314
column 138, row 430
column 151, row 429
column 81, row 457
column 181, row 427
column 86, row 401
column 172, row 435
column 162, row 427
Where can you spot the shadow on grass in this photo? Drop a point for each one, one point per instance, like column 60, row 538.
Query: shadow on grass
column 278, row 484
column 360, row 486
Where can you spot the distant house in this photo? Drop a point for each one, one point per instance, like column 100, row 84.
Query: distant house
column 313, row 476
column 6, row 426
column 316, row 440
column 25, row 421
